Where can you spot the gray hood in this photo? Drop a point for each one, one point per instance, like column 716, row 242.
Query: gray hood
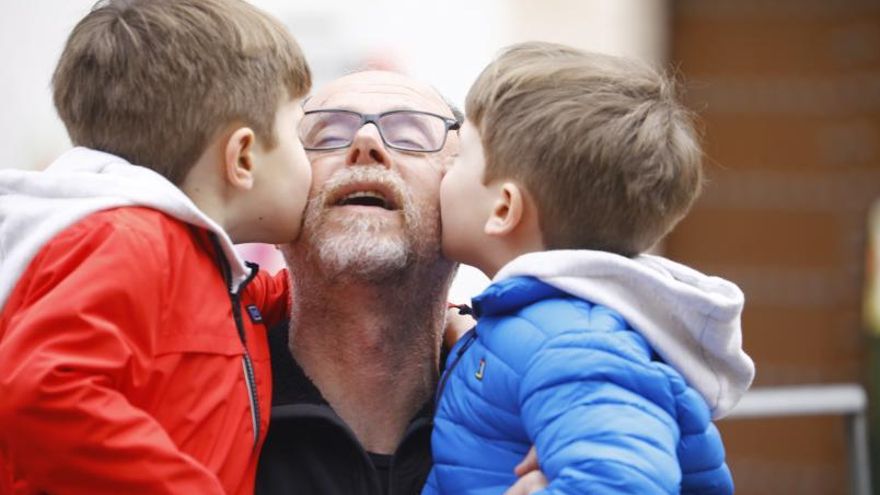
column 37, row 205
column 690, row 319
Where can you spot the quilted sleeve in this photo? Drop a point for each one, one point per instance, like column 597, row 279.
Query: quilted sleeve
column 601, row 418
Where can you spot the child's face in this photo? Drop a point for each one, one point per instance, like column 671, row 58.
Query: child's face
column 286, row 177
column 466, row 203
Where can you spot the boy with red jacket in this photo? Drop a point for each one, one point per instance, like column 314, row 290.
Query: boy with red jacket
column 133, row 356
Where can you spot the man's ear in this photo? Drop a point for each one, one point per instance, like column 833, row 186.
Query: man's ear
column 507, row 212
column 238, row 163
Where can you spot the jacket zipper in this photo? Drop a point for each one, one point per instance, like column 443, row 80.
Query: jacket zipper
column 458, row 355
column 247, row 364
column 235, row 301
column 391, row 475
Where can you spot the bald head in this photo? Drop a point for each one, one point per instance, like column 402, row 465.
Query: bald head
column 390, row 90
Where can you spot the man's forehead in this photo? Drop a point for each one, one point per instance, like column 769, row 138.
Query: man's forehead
column 373, row 92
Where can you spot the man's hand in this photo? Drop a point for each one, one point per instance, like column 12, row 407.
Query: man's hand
column 531, row 479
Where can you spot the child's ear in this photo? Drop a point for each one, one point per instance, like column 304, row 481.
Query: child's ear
column 507, row 212
column 238, row 163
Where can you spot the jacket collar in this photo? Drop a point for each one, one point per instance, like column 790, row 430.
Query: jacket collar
column 510, row 294
column 37, row 205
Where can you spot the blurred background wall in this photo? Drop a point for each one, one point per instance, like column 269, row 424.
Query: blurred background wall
column 787, row 93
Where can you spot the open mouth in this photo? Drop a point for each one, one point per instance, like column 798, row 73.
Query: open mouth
column 361, row 195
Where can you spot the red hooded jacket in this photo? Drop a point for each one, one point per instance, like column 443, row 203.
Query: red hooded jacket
column 134, row 359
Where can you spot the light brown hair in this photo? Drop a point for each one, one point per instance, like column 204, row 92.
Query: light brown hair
column 600, row 143
column 153, row 81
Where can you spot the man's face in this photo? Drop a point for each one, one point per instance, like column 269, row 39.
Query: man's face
column 373, row 210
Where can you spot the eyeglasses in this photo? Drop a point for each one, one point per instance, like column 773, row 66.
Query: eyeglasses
column 406, row 130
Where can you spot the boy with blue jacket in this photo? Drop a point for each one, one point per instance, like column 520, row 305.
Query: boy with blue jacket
column 611, row 362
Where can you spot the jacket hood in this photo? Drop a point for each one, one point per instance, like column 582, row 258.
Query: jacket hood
column 37, row 205
column 690, row 319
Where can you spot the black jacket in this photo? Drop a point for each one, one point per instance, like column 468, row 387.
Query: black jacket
column 310, row 450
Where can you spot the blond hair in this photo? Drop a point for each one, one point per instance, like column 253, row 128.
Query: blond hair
column 154, row 80
column 600, row 143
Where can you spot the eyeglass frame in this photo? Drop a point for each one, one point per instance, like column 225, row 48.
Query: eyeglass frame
column 451, row 124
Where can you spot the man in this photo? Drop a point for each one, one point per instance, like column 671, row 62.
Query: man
column 355, row 373
column 356, row 369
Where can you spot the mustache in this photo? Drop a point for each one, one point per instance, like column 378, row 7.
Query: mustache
column 371, row 175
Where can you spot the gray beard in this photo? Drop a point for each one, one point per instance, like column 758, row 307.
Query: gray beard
column 362, row 246
column 358, row 249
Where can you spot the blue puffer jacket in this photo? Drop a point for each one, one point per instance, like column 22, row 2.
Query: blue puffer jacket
column 603, row 409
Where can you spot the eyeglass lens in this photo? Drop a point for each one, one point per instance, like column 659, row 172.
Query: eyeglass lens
column 411, row 131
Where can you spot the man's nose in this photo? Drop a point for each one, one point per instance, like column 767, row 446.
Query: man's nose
column 367, row 148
